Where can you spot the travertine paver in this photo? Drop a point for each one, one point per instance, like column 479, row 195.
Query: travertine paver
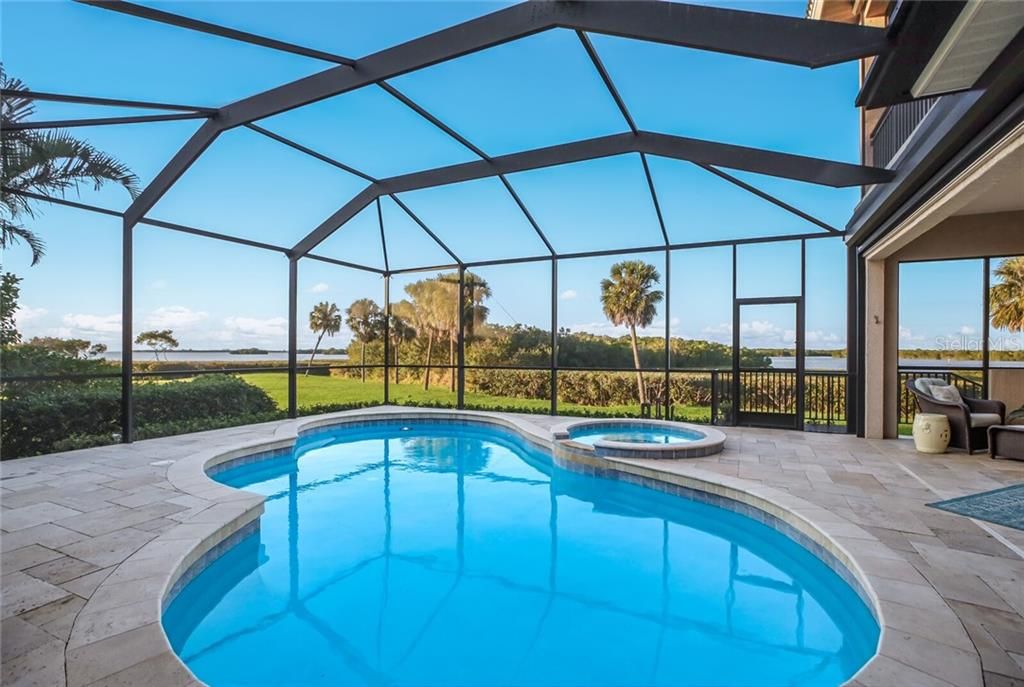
column 71, row 521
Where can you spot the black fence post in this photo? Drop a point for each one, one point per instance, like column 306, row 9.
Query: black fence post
column 714, row 397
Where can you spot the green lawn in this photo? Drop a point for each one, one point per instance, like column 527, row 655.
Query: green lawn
column 324, row 390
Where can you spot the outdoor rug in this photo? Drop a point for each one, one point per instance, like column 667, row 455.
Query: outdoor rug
column 1002, row 506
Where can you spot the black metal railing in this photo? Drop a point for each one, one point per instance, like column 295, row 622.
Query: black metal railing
column 767, row 390
column 967, row 380
column 825, row 401
column 896, row 127
column 767, row 396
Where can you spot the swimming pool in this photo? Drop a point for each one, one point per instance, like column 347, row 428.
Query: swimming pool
column 436, row 553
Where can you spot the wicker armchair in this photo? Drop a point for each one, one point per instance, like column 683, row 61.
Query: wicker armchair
column 969, row 418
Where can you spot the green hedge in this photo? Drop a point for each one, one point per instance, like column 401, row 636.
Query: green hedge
column 40, row 418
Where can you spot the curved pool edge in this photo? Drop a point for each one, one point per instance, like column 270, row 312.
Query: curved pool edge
column 132, row 598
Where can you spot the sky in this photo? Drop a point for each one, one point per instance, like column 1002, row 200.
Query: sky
column 535, row 92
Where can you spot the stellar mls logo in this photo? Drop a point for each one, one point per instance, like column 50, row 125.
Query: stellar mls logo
column 968, row 343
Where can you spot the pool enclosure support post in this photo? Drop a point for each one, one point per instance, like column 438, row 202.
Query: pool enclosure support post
column 735, row 393
column 127, row 410
column 668, row 334
column 801, row 327
column 554, row 336
column 463, row 304
column 293, row 333
column 387, row 335
column 986, row 352
column 851, row 340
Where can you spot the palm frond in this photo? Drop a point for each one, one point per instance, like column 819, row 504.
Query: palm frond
column 55, row 161
column 11, row 234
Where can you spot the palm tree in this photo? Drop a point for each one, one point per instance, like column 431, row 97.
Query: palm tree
column 629, row 299
column 428, row 317
column 1006, row 299
column 324, row 318
column 400, row 328
column 49, row 162
column 366, row 320
column 475, row 313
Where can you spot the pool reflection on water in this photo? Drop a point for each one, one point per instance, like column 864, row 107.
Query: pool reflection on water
column 440, row 554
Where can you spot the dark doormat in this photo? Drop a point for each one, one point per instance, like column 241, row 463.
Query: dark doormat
column 1002, row 506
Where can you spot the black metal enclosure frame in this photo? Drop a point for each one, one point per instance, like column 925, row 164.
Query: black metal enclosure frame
column 748, row 34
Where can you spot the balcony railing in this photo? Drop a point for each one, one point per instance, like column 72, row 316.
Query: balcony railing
column 896, row 127
column 967, row 379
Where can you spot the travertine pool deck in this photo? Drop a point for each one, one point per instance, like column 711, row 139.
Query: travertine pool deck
column 91, row 539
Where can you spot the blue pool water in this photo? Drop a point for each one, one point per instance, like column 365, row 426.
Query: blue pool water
column 637, row 434
column 439, row 554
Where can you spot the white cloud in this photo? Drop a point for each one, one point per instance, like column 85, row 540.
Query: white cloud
column 817, row 337
column 26, row 313
column 174, row 317
column 966, row 330
column 254, row 327
column 568, row 295
column 319, row 287
column 723, row 328
column 909, row 336
column 83, row 323
column 604, row 328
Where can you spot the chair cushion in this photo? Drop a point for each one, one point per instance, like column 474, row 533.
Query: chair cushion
column 985, row 419
column 946, row 393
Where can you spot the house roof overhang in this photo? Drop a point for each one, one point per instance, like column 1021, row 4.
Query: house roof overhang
column 938, row 48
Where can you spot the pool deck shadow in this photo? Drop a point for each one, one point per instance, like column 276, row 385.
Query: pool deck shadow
column 92, row 541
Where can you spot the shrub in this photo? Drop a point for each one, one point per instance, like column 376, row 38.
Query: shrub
column 40, row 418
column 23, row 360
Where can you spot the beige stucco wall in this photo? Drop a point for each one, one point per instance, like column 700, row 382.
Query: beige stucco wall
column 1007, row 385
column 962, row 236
column 969, row 236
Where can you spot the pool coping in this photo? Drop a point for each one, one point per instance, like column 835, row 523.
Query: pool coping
column 122, row 620
column 713, row 441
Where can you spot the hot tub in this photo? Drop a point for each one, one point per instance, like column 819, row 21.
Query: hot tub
column 641, row 438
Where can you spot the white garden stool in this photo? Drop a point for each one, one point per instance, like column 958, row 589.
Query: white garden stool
column 931, row 433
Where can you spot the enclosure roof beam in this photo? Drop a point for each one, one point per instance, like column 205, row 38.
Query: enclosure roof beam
column 309, row 151
column 352, row 170
column 415, row 218
column 618, row 251
column 763, row 36
column 771, row 163
column 344, row 263
column 173, row 226
column 180, row 21
column 415, row 107
column 109, row 102
column 813, row 170
column 595, row 59
column 104, row 121
column 770, row 198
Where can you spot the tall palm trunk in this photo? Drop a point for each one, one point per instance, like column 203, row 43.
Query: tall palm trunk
column 311, row 355
column 451, row 363
column 636, row 364
column 362, row 360
column 430, row 350
column 396, row 362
